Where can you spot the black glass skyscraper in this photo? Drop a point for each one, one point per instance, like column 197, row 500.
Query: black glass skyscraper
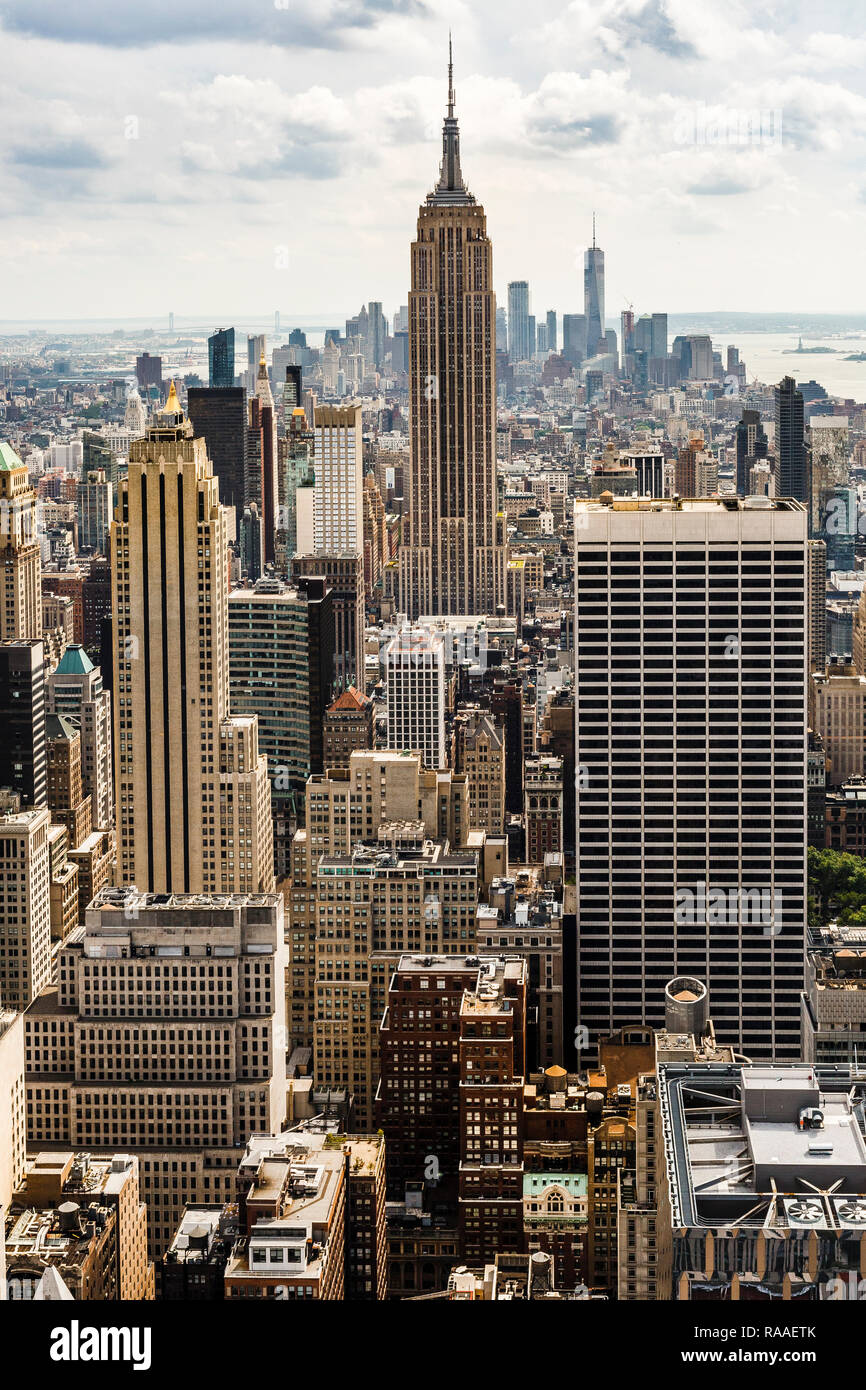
column 221, row 357
column 219, row 416
column 22, row 710
column 751, row 446
column 790, row 441
column 293, row 390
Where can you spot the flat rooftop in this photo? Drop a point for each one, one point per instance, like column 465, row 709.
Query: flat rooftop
column 728, row 503
column 423, row 965
column 488, row 995
column 773, row 1147
column 130, row 899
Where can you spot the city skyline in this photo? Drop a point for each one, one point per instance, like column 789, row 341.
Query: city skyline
column 588, row 111
column 433, row 799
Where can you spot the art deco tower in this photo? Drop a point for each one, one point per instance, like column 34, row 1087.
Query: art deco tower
column 20, row 564
column 455, row 559
column 193, row 797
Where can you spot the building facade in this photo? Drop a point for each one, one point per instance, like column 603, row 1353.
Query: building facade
column 707, row 581
column 165, row 1038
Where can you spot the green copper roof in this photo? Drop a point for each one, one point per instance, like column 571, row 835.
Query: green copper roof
column 8, row 457
column 74, row 662
column 534, row 1184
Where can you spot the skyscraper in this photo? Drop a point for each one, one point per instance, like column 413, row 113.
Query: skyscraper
column 694, row 352
column 501, row 330
column 281, row 669
column 251, row 543
column 593, row 296
column 267, row 417
column 296, row 470
column 518, row 321
column 338, row 471
column 256, row 344
column 343, row 573
column 690, row 652
column 193, row 799
column 221, row 358
column 375, row 353
column 22, row 716
column 827, row 463
column 13, row 1119
column 574, row 337
column 135, row 415
column 790, row 442
column 551, row 330
column 219, row 417
column 415, row 680
column 626, row 333
column 415, row 1127
column 148, row 371
column 94, row 511
column 21, row 609
column 74, row 690
column 751, row 441
column 25, row 927
column 659, row 342
column 491, row 1093
column 406, row 892
column 293, row 388
column 817, row 605
column 455, row 559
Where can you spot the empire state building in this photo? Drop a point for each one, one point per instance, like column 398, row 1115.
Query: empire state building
column 454, row 561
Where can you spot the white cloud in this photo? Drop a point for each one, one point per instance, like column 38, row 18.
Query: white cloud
column 241, row 143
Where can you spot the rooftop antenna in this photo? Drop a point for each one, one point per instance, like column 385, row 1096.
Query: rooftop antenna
column 450, row 78
column 593, row 231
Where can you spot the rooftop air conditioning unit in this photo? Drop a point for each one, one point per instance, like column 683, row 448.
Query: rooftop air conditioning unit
column 852, row 1212
column 811, row 1118
column 804, row 1213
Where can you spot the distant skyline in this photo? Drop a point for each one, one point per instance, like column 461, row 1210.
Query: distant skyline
column 814, row 323
column 275, row 153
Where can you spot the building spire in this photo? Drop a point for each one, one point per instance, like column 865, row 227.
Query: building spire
column 450, row 188
column 450, row 79
column 172, row 405
column 593, row 231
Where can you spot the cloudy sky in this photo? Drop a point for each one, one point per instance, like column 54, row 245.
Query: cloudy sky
column 224, row 159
